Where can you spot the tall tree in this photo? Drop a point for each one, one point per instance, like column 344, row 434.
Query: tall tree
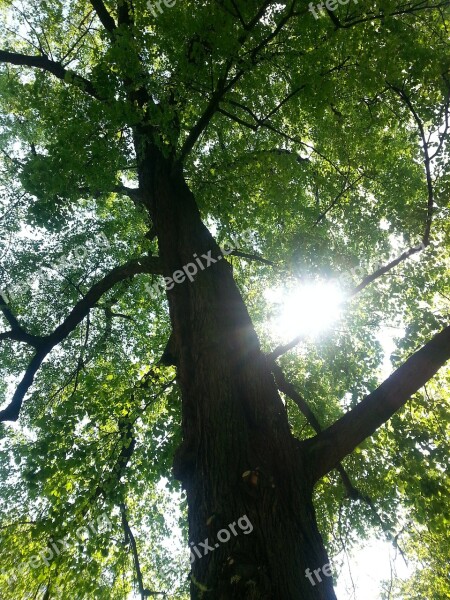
column 136, row 138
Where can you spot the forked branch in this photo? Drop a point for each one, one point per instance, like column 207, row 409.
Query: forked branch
column 44, row 344
column 290, row 391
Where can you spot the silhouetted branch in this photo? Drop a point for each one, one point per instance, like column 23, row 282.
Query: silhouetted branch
column 290, row 391
column 330, row 446
column 17, row 332
column 104, row 16
column 45, row 344
column 129, row 537
column 51, row 66
column 253, row 257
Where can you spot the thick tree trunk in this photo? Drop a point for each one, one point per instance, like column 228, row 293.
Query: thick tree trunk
column 238, row 457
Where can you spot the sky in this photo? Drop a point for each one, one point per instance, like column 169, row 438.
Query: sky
column 366, row 568
column 310, row 310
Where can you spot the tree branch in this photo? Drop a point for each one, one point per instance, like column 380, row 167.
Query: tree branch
column 289, row 390
column 9, row 316
column 133, row 193
column 44, row 345
column 253, row 257
column 328, row 448
column 430, row 204
column 56, row 68
column 129, row 536
column 224, row 84
column 17, row 332
column 386, row 268
column 259, row 122
column 282, row 349
column 222, row 87
column 345, row 189
column 427, row 160
column 348, row 23
column 105, row 18
column 11, row 412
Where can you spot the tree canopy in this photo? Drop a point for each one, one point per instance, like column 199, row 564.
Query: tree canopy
column 327, row 139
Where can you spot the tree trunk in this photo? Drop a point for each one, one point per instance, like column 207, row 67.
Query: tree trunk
column 238, row 457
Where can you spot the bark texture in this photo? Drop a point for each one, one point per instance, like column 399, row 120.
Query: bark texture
column 238, row 456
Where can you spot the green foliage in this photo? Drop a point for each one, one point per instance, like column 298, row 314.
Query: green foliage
column 311, row 127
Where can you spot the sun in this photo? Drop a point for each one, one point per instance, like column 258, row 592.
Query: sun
column 308, row 309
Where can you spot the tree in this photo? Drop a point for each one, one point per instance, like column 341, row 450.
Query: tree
column 132, row 131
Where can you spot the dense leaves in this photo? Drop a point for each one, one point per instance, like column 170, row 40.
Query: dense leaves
column 313, row 149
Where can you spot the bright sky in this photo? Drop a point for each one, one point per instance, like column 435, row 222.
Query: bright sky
column 309, row 310
column 365, row 569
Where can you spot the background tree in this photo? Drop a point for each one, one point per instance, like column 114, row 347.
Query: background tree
column 135, row 140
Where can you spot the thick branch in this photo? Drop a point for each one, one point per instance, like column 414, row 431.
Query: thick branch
column 17, row 332
column 9, row 316
column 283, row 348
column 290, row 391
column 78, row 313
column 105, row 18
column 334, row 443
column 81, row 309
column 56, row 68
column 11, row 412
column 133, row 193
column 124, row 13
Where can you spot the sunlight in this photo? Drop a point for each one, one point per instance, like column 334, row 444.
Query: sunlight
column 368, row 568
column 308, row 309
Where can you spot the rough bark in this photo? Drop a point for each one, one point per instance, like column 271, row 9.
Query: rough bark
column 238, row 456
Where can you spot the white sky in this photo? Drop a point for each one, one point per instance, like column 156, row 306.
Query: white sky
column 366, row 568
column 310, row 310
